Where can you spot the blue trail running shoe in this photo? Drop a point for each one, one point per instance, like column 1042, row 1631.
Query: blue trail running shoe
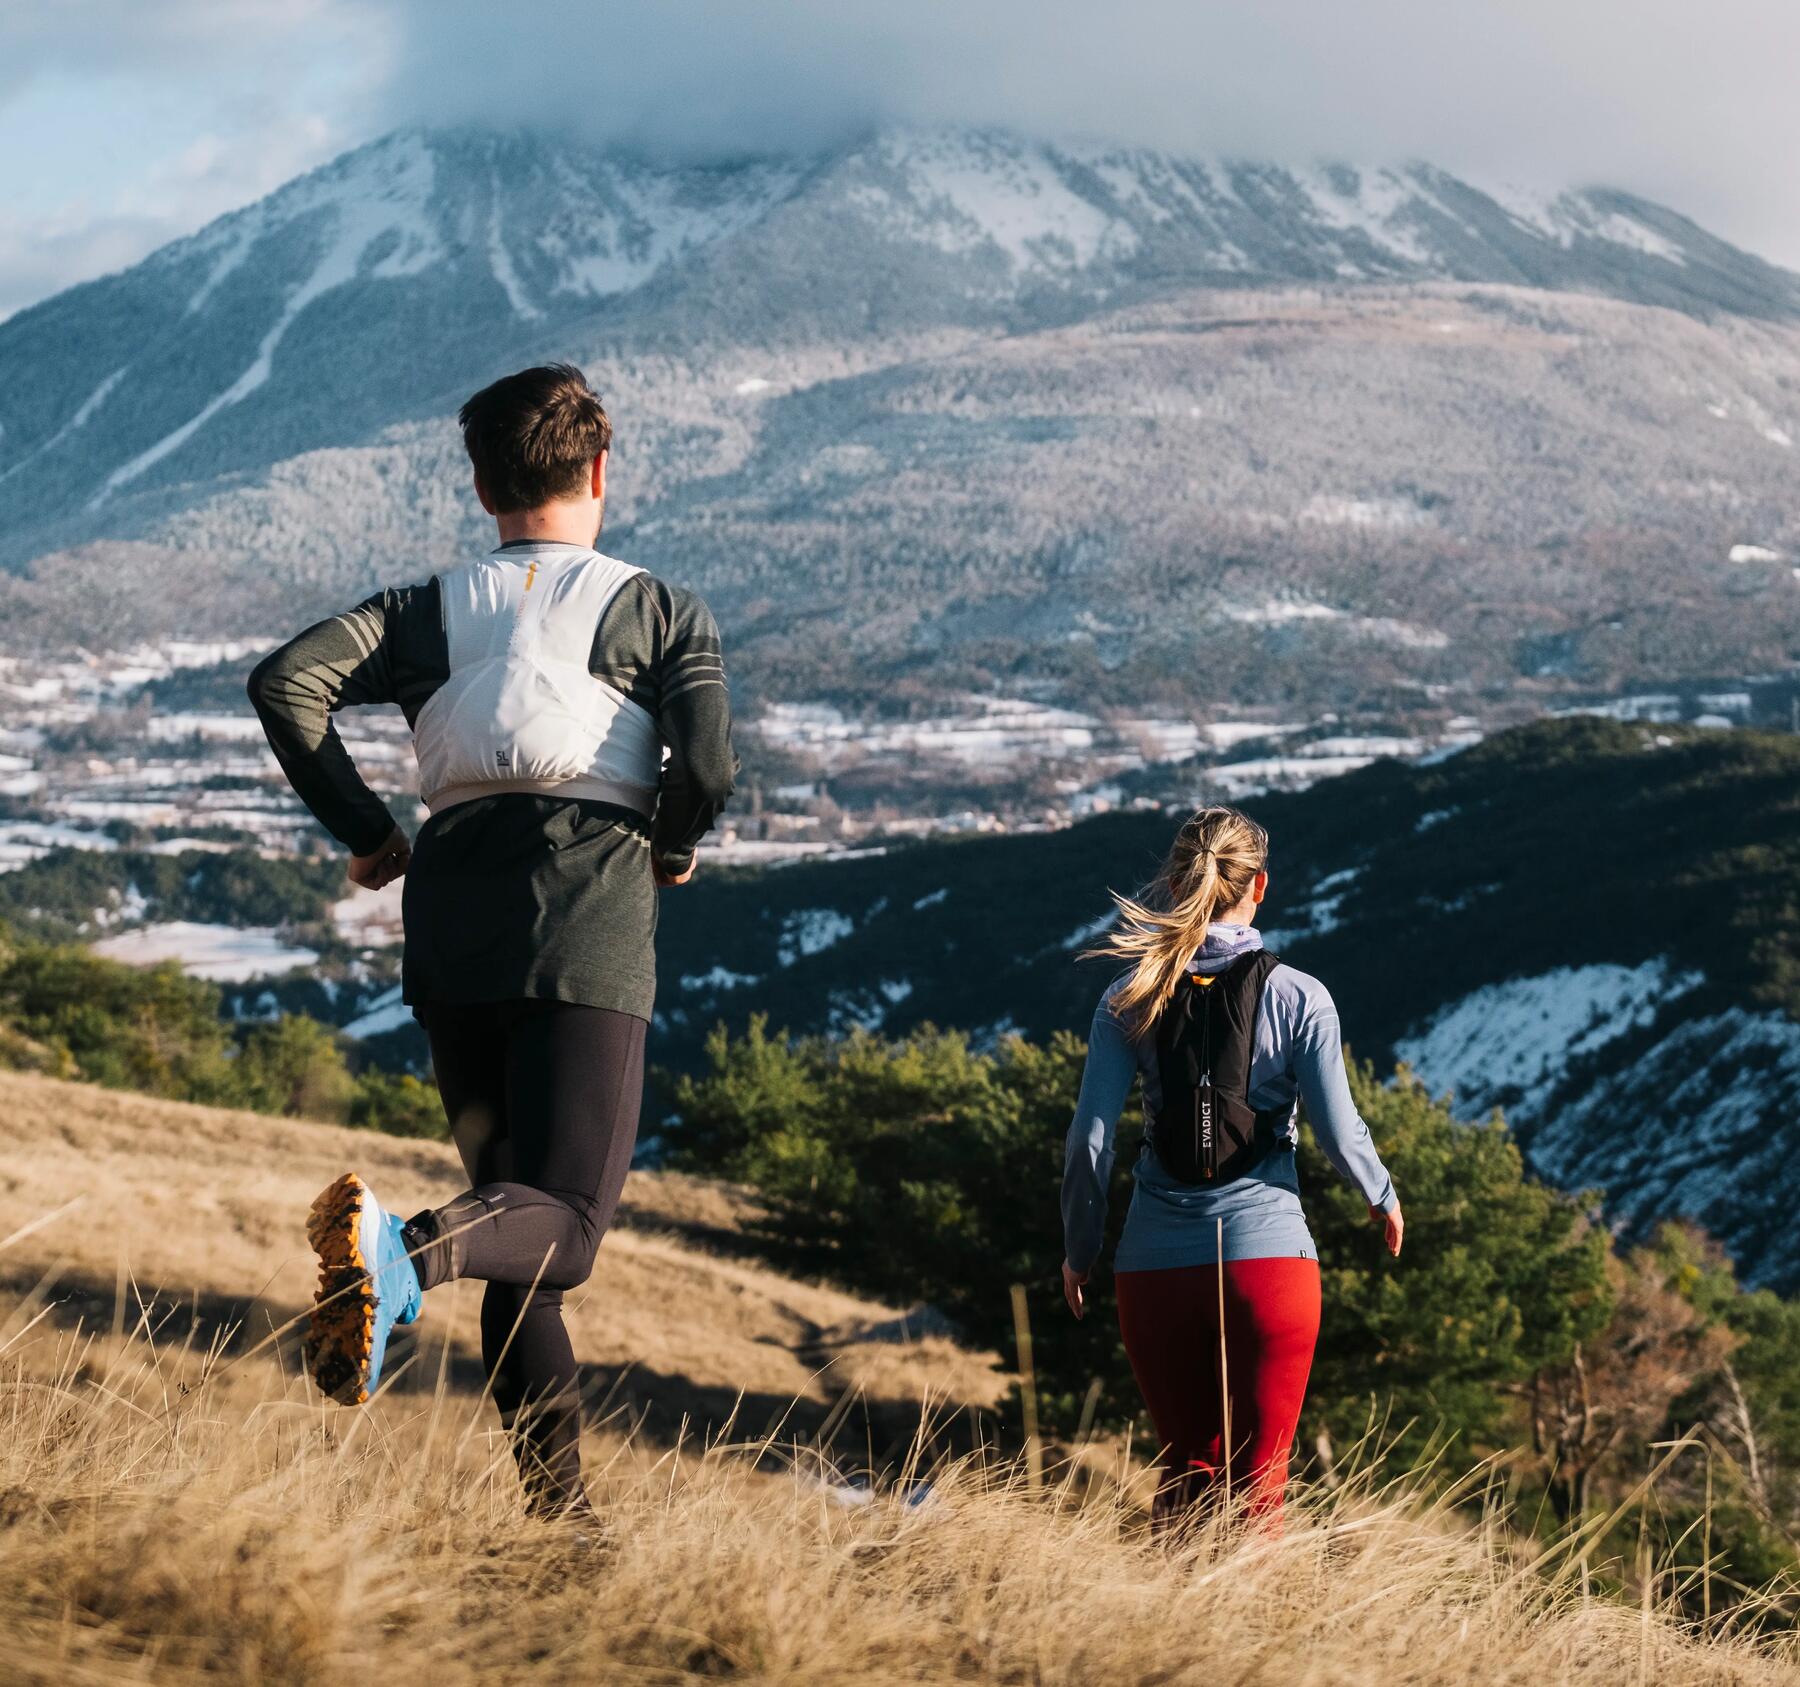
column 367, row 1285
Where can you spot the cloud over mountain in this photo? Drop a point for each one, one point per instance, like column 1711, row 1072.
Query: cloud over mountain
column 1632, row 92
column 109, row 98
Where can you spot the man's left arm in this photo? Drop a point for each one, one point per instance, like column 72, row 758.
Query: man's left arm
column 693, row 718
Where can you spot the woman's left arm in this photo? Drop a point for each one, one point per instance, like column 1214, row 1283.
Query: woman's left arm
column 1325, row 1088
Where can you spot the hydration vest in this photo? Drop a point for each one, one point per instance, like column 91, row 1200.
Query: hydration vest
column 1206, row 1132
column 520, row 710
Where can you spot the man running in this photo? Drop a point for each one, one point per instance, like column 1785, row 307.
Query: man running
column 573, row 733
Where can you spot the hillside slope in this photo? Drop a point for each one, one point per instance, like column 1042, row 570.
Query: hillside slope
column 176, row 1505
column 204, row 1209
column 1589, row 924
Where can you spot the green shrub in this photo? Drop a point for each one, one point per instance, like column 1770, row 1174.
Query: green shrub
column 67, row 1012
column 922, row 1169
column 150, row 1029
column 1500, row 1276
column 398, row 1103
column 295, row 1066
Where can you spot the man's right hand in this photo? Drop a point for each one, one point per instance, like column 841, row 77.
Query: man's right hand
column 386, row 864
column 667, row 879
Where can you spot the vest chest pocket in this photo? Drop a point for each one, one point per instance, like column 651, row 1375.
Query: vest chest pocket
column 549, row 721
column 512, row 719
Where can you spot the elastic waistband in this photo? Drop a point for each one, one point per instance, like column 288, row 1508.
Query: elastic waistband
column 583, row 788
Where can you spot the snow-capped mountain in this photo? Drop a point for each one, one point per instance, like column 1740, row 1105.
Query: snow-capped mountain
column 359, row 294
column 352, row 297
column 884, row 359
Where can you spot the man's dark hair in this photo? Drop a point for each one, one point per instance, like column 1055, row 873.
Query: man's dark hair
column 533, row 435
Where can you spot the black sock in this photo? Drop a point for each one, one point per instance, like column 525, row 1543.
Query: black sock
column 429, row 1249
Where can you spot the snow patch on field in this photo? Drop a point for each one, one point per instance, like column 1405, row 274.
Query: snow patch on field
column 84, row 413
column 866, row 1010
column 122, row 907
column 811, row 931
column 1409, row 635
column 24, row 841
column 1381, row 629
column 1639, row 237
column 1566, row 217
column 370, row 919
column 720, row 978
column 1328, row 510
column 1228, row 734
column 1321, row 914
column 386, row 1013
column 965, row 192
column 651, row 218
column 500, row 262
column 1512, row 1043
column 1370, row 203
column 225, row 954
column 1660, row 707
column 1281, row 773
column 1540, row 212
column 242, row 729
column 986, row 732
column 1274, row 612
column 1083, row 935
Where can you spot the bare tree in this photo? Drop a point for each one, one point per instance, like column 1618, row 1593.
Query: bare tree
column 1618, row 1389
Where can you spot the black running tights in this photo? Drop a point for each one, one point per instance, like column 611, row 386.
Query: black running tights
column 543, row 1102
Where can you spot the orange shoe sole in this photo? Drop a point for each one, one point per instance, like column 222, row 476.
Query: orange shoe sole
column 340, row 1336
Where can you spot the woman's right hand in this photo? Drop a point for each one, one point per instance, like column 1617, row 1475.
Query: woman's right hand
column 1074, row 1286
column 1393, row 1228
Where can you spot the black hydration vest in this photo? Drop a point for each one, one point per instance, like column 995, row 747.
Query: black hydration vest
column 1206, row 1132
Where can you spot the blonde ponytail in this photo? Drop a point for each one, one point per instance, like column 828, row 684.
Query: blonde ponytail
column 1211, row 866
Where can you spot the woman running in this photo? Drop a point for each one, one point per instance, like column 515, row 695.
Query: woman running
column 1226, row 1039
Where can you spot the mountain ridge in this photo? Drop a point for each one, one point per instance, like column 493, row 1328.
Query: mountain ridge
column 952, row 410
column 1009, row 214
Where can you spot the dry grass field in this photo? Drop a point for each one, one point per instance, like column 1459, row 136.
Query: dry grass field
column 176, row 1506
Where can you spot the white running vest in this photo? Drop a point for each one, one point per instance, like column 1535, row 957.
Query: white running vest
column 520, row 710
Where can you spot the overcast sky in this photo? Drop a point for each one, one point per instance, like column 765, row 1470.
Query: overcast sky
column 127, row 122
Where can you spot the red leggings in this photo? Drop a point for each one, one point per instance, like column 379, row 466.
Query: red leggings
column 1170, row 1322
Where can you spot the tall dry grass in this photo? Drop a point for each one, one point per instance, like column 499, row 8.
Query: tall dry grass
column 170, row 1513
column 176, row 1504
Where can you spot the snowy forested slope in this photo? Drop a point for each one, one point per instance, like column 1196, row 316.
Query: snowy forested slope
column 950, row 410
column 1591, row 925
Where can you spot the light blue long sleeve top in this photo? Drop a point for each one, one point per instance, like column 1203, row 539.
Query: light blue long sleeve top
column 1298, row 1056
